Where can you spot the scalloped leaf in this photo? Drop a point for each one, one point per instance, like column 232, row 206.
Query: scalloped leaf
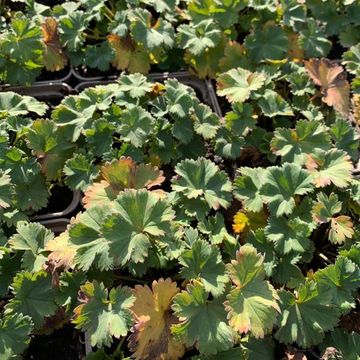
column 104, row 314
column 201, row 180
column 34, row 296
column 118, row 175
column 14, row 335
column 152, row 338
column 202, row 321
column 331, row 167
column 31, row 238
column 252, row 303
column 305, row 316
column 237, row 84
column 281, row 185
column 203, row 262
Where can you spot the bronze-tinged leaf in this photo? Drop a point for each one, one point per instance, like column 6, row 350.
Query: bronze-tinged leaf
column 295, row 52
column 152, row 338
column 128, row 55
column 331, row 77
column 55, row 58
column 118, row 175
column 356, row 108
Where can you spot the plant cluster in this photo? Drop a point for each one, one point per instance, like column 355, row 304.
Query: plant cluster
column 182, row 244
column 202, row 236
column 206, row 37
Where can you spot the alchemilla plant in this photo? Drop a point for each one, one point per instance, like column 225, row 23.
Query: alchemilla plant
column 202, row 235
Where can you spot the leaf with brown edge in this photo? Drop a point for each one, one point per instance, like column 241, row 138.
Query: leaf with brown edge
column 118, row 175
column 356, row 108
column 128, row 55
column 62, row 252
column 54, row 56
column 152, row 338
column 341, row 227
column 331, row 77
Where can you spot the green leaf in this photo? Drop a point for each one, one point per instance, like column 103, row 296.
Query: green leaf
column 272, row 104
column 49, row 146
column 247, row 187
column 178, row 98
column 268, row 43
column 150, row 36
column 331, row 167
column 99, row 56
column 202, row 321
column 34, row 296
column 214, row 228
column 140, row 218
column 345, row 138
column 206, row 122
column 237, row 84
column 6, row 189
column 339, row 282
column 14, row 335
column 135, row 84
column 281, row 185
column 202, row 180
column 80, row 172
column 71, row 28
column 136, row 124
column 91, row 246
column 32, row 239
column 10, row 265
column 351, row 60
column 293, row 144
column 203, row 262
column 228, row 144
column 353, row 253
column 348, row 343
column 241, row 119
column 313, row 40
column 305, row 317
column 104, row 314
column 197, row 37
column 252, row 303
column 288, row 234
column 12, row 104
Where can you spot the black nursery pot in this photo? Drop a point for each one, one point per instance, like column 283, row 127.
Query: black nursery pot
column 63, row 202
column 203, row 88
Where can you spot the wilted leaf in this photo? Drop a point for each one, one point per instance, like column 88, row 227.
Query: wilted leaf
column 332, row 80
column 152, row 338
column 252, row 303
column 54, row 56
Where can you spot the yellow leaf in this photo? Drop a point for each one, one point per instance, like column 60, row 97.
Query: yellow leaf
column 241, row 221
column 152, row 337
column 61, row 251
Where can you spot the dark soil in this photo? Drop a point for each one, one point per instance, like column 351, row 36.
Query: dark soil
column 62, row 344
